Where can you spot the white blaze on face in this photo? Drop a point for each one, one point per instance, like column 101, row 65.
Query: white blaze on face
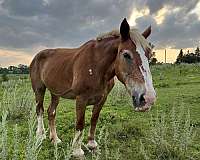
column 131, row 85
column 150, row 94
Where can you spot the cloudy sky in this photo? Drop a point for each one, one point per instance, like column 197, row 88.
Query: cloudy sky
column 28, row 26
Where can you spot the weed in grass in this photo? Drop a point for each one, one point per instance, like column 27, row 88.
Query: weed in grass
column 4, row 143
column 143, row 151
column 15, row 144
column 34, row 143
column 169, row 137
column 17, row 100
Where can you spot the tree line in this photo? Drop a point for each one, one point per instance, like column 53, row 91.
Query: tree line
column 188, row 57
column 20, row 69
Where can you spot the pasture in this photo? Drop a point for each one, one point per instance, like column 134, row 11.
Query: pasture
column 171, row 130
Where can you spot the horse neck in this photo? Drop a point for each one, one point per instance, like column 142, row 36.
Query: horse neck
column 107, row 50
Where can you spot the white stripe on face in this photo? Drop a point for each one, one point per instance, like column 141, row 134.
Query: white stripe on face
column 150, row 94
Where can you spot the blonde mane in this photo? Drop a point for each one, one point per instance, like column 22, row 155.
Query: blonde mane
column 135, row 36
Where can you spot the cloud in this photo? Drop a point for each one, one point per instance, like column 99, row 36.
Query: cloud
column 28, row 25
column 155, row 6
column 179, row 27
column 58, row 23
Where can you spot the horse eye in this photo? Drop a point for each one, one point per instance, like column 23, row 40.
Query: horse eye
column 127, row 56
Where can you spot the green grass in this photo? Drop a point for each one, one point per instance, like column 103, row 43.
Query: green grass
column 171, row 130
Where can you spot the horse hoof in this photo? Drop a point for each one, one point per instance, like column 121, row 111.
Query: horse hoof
column 56, row 140
column 78, row 153
column 92, row 144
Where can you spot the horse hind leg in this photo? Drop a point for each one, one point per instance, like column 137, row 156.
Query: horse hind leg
column 81, row 102
column 39, row 93
column 51, row 116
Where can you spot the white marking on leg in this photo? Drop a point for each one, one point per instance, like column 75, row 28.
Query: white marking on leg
column 76, row 145
column 92, row 144
column 40, row 128
column 53, row 135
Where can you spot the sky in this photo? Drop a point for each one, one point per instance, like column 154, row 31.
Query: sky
column 28, row 26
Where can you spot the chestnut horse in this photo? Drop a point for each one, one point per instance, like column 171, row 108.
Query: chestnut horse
column 87, row 75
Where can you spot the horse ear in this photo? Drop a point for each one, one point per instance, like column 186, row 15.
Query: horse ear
column 147, row 32
column 124, row 29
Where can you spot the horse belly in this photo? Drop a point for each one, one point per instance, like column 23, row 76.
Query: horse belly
column 94, row 100
column 70, row 95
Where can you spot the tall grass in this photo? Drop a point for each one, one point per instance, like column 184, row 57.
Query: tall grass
column 169, row 137
column 17, row 99
column 34, row 143
column 4, row 143
column 16, row 144
column 15, row 104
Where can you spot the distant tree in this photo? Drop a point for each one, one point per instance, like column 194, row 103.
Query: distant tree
column 153, row 59
column 13, row 70
column 179, row 57
column 189, row 57
column 23, row 69
column 20, row 69
column 3, row 70
column 197, row 51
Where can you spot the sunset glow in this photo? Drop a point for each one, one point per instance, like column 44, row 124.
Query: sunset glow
column 10, row 57
column 171, row 54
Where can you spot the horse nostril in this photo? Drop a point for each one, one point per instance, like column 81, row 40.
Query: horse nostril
column 138, row 101
column 142, row 100
column 134, row 100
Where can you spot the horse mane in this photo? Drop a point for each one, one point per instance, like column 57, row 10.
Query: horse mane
column 135, row 36
column 111, row 34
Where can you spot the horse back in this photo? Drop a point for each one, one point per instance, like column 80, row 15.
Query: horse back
column 62, row 69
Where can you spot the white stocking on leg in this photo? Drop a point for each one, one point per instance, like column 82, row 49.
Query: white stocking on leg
column 40, row 128
column 77, row 151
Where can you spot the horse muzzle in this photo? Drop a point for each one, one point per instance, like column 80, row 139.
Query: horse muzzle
column 143, row 102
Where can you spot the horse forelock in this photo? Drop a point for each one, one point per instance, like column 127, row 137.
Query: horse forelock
column 140, row 41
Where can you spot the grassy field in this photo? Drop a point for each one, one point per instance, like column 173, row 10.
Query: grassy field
column 171, row 130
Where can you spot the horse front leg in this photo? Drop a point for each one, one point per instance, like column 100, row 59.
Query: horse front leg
column 92, row 144
column 80, row 123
